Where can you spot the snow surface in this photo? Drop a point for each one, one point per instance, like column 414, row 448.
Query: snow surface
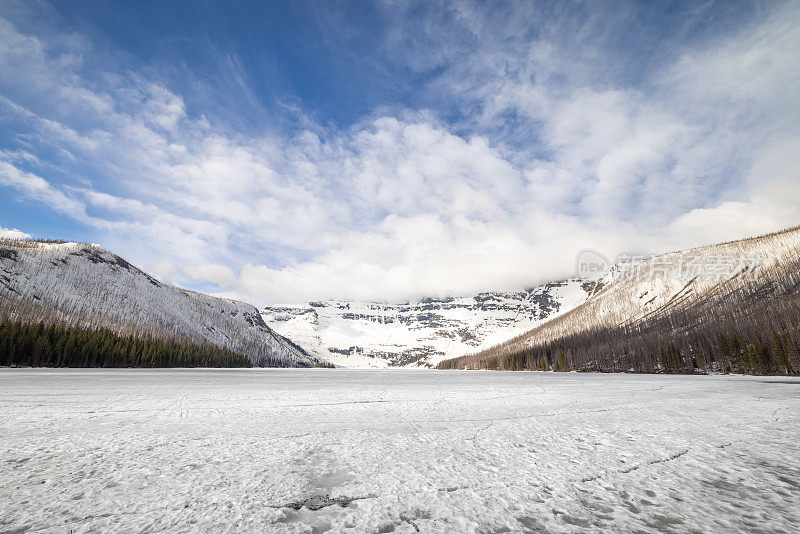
column 396, row 451
column 359, row 334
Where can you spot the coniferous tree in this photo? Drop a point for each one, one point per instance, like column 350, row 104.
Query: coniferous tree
column 52, row 346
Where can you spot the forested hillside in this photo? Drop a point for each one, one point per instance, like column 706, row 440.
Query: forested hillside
column 83, row 286
column 40, row 345
column 744, row 319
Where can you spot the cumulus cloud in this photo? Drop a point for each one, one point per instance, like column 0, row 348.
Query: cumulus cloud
column 220, row 275
column 546, row 156
column 9, row 233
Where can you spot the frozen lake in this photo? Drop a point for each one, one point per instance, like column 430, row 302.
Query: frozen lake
column 396, row 451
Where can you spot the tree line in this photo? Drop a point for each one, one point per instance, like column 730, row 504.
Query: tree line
column 40, row 345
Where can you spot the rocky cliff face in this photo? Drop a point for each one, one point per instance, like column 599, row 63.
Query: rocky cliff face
column 419, row 333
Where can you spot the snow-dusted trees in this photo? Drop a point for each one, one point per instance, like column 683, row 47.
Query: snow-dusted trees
column 86, row 287
column 746, row 322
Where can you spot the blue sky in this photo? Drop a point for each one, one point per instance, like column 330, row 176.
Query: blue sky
column 292, row 151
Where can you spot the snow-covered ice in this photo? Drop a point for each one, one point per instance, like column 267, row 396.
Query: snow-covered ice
column 396, row 451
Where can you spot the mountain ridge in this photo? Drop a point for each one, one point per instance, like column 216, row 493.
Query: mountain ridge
column 652, row 317
column 84, row 285
column 418, row 332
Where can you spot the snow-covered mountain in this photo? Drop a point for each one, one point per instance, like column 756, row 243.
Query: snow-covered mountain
column 657, row 285
column 746, row 292
column 83, row 285
column 419, row 333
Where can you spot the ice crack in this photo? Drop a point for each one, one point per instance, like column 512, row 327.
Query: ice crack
column 318, row 502
column 634, row 467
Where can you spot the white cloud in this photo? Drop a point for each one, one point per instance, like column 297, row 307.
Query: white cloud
column 8, row 233
column 37, row 188
column 220, row 275
column 400, row 205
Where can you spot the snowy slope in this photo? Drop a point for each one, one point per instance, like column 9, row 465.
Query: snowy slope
column 84, row 285
column 372, row 334
column 660, row 286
